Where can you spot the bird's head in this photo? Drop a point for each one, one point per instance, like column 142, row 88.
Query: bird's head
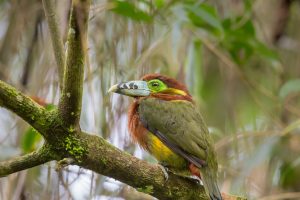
column 151, row 84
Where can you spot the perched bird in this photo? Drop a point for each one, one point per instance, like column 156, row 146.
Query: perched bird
column 164, row 121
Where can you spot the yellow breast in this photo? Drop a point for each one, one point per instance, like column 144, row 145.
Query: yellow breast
column 163, row 154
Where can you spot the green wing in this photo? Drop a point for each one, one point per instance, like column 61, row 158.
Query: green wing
column 180, row 126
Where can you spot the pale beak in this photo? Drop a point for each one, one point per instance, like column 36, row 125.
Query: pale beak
column 131, row 88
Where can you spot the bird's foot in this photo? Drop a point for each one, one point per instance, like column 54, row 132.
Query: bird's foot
column 63, row 163
column 165, row 171
column 187, row 176
column 193, row 178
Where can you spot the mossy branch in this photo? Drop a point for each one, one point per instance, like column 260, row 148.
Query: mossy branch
column 24, row 107
column 71, row 98
column 27, row 161
column 56, row 38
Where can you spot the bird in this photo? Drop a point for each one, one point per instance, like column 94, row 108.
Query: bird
column 164, row 120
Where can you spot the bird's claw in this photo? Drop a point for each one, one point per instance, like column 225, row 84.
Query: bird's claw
column 165, row 171
column 63, row 163
column 196, row 180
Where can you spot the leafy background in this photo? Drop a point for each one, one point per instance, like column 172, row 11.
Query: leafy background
column 239, row 58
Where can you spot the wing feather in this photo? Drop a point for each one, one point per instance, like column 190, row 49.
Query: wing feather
column 179, row 126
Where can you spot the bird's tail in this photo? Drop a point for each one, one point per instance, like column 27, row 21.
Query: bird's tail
column 210, row 184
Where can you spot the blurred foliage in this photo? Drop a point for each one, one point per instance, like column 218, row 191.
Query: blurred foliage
column 239, row 58
column 128, row 9
column 31, row 139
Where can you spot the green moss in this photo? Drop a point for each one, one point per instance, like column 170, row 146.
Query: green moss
column 104, row 161
column 74, row 147
column 71, row 129
column 147, row 189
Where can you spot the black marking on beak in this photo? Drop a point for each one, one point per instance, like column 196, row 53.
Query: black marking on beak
column 131, row 85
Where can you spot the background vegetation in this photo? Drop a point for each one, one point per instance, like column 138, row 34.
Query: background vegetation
column 239, row 58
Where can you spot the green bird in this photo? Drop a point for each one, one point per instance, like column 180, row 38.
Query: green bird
column 164, row 120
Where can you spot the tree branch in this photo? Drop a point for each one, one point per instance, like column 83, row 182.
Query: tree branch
column 108, row 160
column 56, row 38
column 71, row 99
column 24, row 107
column 27, row 161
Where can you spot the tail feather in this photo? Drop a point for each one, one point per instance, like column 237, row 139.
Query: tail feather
column 210, row 185
column 214, row 192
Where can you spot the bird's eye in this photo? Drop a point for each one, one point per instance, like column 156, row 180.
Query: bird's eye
column 155, row 84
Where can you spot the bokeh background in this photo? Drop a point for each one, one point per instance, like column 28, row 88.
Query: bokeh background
column 239, row 58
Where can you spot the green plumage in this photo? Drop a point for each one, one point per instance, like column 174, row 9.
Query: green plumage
column 179, row 125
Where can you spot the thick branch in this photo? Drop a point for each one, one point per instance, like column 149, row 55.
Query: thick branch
column 24, row 107
column 71, row 99
column 27, row 161
column 106, row 159
column 56, row 38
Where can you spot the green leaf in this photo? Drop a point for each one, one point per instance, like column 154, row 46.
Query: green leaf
column 30, row 140
column 290, row 173
column 129, row 10
column 31, row 137
column 248, row 4
column 238, row 39
column 241, row 42
column 204, row 16
column 50, row 107
column 242, row 29
column 291, row 86
column 265, row 52
column 159, row 3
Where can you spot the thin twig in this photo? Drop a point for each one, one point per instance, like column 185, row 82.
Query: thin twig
column 56, row 38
